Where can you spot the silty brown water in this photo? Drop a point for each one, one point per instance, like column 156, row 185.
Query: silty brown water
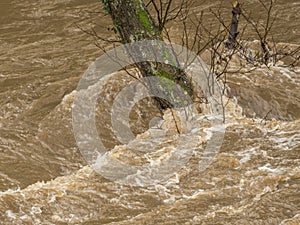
column 44, row 179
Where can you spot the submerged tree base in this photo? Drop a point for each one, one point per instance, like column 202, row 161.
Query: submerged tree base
column 133, row 22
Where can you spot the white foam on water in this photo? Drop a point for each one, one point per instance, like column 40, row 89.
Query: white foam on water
column 285, row 72
column 35, row 209
column 52, row 199
column 268, row 169
column 291, row 221
column 286, row 143
column 246, row 155
column 10, row 214
column 69, row 97
column 10, row 191
column 161, row 148
column 195, row 194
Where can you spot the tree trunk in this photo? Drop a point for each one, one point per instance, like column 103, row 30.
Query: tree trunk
column 134, row 23
column 233, row 32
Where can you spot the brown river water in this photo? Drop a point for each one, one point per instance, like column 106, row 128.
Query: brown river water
column 44, row 179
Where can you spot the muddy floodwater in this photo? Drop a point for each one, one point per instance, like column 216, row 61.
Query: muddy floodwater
column 44, row 179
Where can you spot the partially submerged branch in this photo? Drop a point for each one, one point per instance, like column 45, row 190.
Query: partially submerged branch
column 233, row 32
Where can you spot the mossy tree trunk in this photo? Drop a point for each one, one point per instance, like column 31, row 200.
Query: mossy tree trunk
column 133, row 22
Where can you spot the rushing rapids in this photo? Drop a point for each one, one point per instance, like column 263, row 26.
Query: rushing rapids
column 44, row 179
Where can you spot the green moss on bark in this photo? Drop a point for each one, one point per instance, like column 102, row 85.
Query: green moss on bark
column 145, row 21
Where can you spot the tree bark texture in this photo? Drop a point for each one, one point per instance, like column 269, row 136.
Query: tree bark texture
column 233, row 32
column 133, row 22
